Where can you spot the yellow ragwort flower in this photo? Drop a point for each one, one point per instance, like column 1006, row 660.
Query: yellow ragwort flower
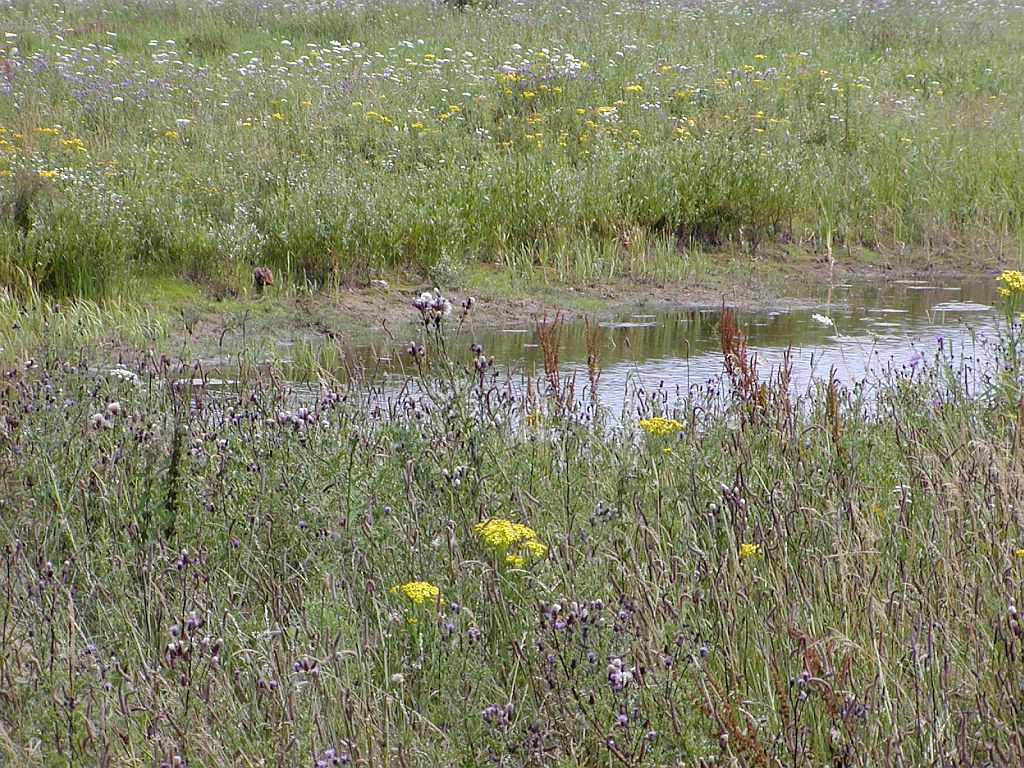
column 502, row 535
column 418, row 591
column 534, row 547
column 1013, row 283
column 659, row 425
column 749, row 550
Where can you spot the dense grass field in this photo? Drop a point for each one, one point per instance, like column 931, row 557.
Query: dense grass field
column 340, row 142
column 479, row 571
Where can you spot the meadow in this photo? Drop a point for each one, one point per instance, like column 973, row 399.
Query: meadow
column 162, row 141
column 486, row 570
column 486, row 566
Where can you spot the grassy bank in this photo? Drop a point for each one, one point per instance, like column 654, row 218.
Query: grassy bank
column 480, row 572
column 342, row 143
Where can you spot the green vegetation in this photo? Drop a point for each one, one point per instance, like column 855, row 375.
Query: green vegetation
column 465, row 567
column 337, row 143
column 474, row 571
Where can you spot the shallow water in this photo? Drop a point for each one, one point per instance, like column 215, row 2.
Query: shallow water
column 857, row 332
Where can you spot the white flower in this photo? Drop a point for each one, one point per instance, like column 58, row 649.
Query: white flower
column 125, row 375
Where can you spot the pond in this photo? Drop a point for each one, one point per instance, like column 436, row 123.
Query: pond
column 855, row 332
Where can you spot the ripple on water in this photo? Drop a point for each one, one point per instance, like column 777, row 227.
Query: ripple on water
column 961, row 306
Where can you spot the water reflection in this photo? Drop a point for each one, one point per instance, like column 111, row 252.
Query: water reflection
column 858, row 332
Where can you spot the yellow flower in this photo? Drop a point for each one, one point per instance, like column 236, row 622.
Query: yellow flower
column 502, row 535
column 170, row 134
column 418, row 591
column 534, row 547
column 499, row 532
column 48, row 174
column 1013, row 280
column 277, row 116
column 658, row 425
column 635, row 88
column 1018, row 552
column 749, row 550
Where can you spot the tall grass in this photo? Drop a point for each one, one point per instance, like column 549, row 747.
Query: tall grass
column 208, row 575
column 339, row 144
column 31, row 325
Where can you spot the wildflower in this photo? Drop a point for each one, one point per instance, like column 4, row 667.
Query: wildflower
column 125, row 375
column 635, row 88
column 1018, row 552
column 534, row 547
column 171, row 135
column 48, row 174
column 500, row 533
column 659, row 425
column 503, row 535
column 749, row 550
column 1013, row 282
column 418, row 591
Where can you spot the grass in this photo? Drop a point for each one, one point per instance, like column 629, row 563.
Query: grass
column 337, row 145
column 33, row 326
column 240, row 576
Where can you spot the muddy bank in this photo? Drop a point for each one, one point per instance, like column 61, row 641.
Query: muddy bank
column 777, row 281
